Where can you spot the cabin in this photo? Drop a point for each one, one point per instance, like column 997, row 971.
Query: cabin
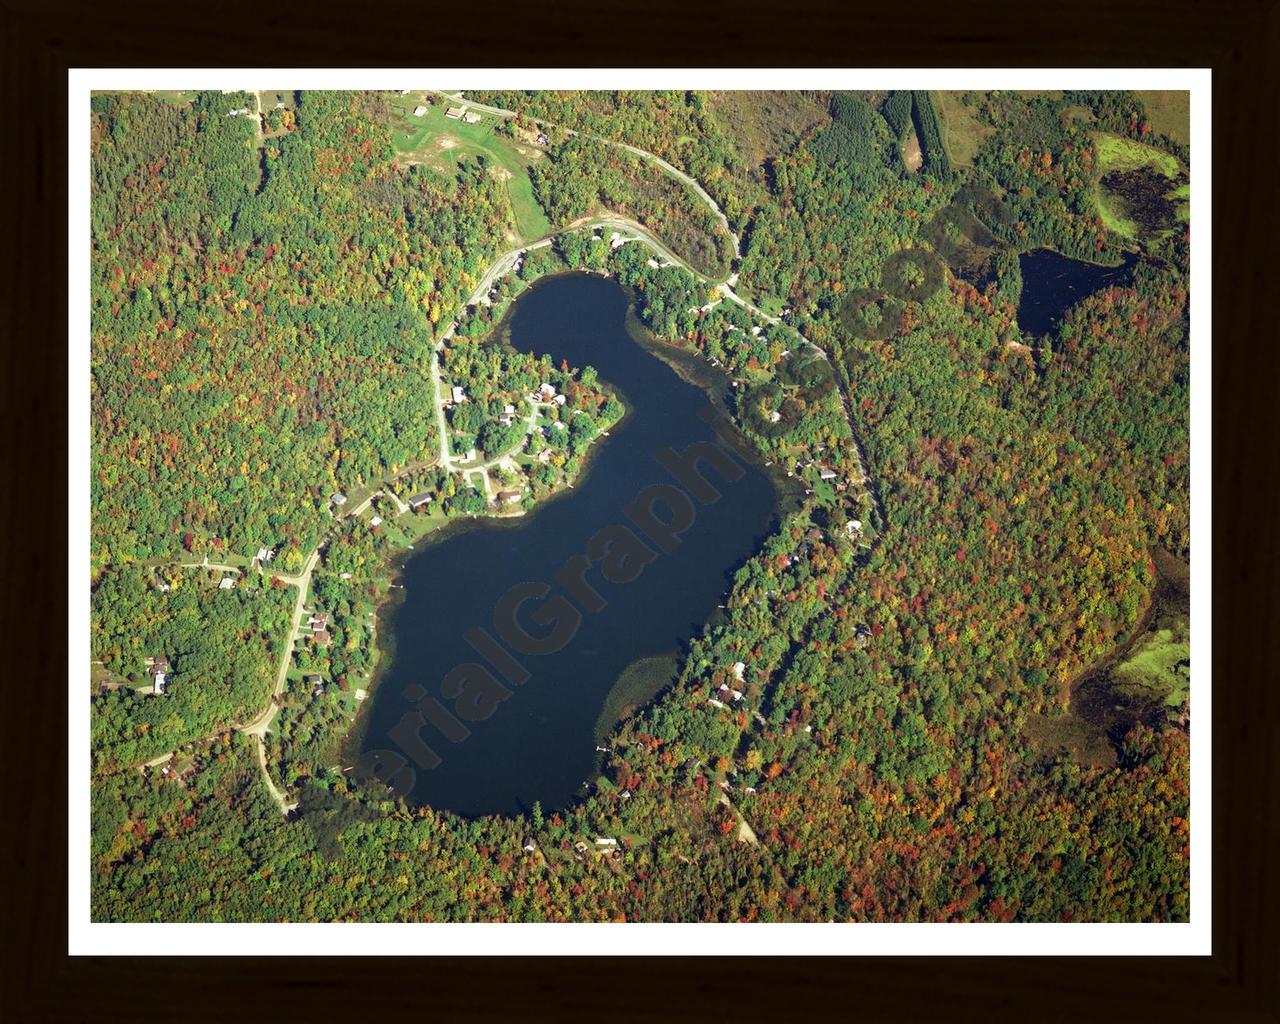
column 226, row 583
column 375, row 522
column 530, row 845
column 453, row 113
column 419, row 110
column 338, row 498
column 417, row 501
column 509, row 497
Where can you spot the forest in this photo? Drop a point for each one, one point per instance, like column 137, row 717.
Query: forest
column 890, row 674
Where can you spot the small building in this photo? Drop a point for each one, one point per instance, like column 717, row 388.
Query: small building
column 652, row 263
column 419, row 110
column 315, row 684
column 625, row 795
column 159, row 669
column 320, row 620
column 557, row 425
column 361, row 694
column 506, row 419
column 826, row 473
column 471, row 117
column 853, row 526
column 542, row 139
column 344, row 575
column 508, row 410
column 738, row 669
column 509, row 497
column 454, row 113
column 375, row 522
column 417, row 501
column 459, row 395
column 530, row 845
column 546, row 392
column 338, row 498
column 580, row 846
column 559, row 400
column 616, row 241
column 544, row 456
column 226, row 583
column 321, row 638
column 605, row 841
column 775, row 416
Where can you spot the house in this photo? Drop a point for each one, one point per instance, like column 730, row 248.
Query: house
column 738, row 669
column 559, row 400
column 755, row 332
column 506, row 419
column 530, row 845
column 226, row 583
column 509, row 497
column 361, row 694
column 736, row 694
column 315, row 684
column 319, row 621
column 508, row 410
column 652, row 264
column 454, row 112
column 616, row 240
column 321, row 637
column 853, row 526
column 419, row 110
column 544, row 456
column 159, row 668
column 375, row 522
column 338, row 498
column 580, row 846
column 557, row 425
column 542, row 140
column 471, row 117
column 546, row 393
column 605, row 841
column 826, row 473
column 459, row 395
column 417, row 501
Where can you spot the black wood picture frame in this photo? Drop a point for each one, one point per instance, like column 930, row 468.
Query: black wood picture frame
column 1238, row 39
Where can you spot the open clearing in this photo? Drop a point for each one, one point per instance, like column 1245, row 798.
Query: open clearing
column 962, row 133
column 442, row 143
column 1169, row 113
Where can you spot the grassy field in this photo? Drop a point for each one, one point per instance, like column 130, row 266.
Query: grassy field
column 1169, row 113
column 1159, row 664
column 962, row 133
column 441, row 142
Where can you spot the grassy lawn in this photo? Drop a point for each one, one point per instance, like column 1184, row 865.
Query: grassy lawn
column 1169, row 113
column 962, row 133
column 441, row 142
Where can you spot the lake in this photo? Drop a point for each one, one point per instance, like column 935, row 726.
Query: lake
column 461, row 719
column 1053, row 283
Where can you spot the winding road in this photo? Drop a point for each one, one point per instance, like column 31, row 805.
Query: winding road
column 630, row 231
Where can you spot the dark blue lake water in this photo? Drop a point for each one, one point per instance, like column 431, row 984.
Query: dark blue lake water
column 1053, row 283
column 506, row 743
